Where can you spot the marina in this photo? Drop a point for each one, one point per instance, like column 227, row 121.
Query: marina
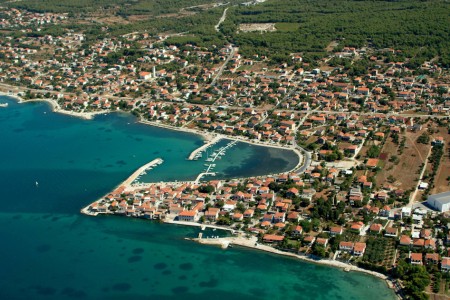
column 214, row 156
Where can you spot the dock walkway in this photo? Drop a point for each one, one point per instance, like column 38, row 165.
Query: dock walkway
column 204, row 147
column 214, row 157
column 127, row 183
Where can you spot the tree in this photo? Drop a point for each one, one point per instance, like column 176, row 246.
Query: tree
column 305, row 225
column 319, row 250
column 373, row 151
column 315, row 223
column 223, row 221
column 207, row 189
column 424, row 138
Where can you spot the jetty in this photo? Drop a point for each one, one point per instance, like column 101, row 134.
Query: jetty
column 197, row 180
column 212, row 159
column 199, row 150
column 127, row 183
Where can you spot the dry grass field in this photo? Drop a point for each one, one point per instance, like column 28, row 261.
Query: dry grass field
column 405, row 170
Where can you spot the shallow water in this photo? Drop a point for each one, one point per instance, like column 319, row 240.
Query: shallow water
column 50, row 251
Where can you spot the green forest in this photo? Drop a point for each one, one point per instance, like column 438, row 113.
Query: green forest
column 123, row 7
column 419, row 28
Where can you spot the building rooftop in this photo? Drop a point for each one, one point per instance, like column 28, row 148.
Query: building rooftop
column 442, row 198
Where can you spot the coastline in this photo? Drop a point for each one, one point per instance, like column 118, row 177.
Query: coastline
column 241, row 242
column 251, row 243
column 56, row 107
column 211, row 137
column 206, row 136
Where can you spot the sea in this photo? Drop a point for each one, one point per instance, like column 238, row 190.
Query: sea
column 52, row 165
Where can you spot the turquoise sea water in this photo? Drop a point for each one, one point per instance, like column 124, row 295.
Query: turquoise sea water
column 50, row 251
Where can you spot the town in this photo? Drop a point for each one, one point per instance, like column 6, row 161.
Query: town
column 372, row 130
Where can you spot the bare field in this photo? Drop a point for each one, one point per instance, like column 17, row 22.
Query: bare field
column 248, row 27
column 406, row 171
column 110, row 20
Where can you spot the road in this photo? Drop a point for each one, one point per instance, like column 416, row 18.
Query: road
column 14, row 88
column 413, row 195
column 222, row 68
column 222, row 19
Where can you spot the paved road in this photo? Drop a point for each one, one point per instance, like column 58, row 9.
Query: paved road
column 222, row 68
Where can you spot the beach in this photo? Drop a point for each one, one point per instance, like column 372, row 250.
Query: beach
column 56, row 107
column 252, row 243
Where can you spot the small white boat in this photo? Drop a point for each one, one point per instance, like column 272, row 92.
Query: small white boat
column 4, row 104
column 37, row 183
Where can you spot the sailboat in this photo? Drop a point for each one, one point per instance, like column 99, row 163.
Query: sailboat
column 207, row 156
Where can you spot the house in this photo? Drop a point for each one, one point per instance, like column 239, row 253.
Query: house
column 419, row 243
column 359, row 249
column 445, row 264
column 145, row 75
column 432, row 258
column 187, row 216
column 271, row 238
column 405, row 240
column 372, row 162
column 346, row 246
column 416, row 258
column 322, row 242
column 438, row 141
column 391, row 232
column 417, row 219
column 309, row 240
column 212, row 214
column 336, row 230
column 268, row 218
column 279, row 217
column 429, row 244
column 298, row 230
column 238, row 217
column 406, row 212
column 357, row 227
column 249, row 213
column 375, row 228
column 293, row 216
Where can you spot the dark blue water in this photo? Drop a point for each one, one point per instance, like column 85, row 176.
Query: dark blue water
column 50, row 251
